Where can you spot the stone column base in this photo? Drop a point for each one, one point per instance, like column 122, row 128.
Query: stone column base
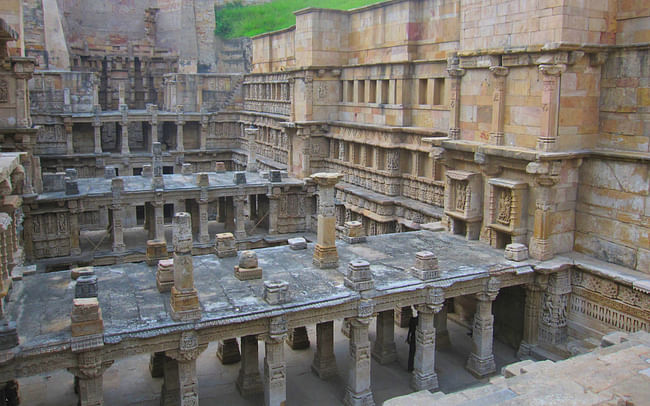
column 325, row 257
column 298, row 339
column 156, row 250
column 324, row 367
column 424, row 382
column 384, row 354
column 358, row 399
column 524, row 350
column 481, row 367
column 228, row 351
column 249, row 383
column 185, row 305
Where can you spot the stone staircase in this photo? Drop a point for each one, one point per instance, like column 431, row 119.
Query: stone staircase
column 617, row 372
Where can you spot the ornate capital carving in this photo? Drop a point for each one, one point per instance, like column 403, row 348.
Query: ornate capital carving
column 552, row 70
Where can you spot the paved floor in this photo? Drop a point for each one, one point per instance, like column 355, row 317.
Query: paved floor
column 128, row 381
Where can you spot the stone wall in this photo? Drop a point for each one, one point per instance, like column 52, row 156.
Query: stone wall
column 513, row 24
column 612, row 217
column 56, row 92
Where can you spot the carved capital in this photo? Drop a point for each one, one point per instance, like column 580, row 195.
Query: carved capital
column 499, row 70
column 552, row 70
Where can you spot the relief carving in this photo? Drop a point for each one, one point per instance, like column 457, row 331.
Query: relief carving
column 4, row 91
column 504, row 206
column 461, row 196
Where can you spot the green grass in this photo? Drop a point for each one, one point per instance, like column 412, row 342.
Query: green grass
column 235, row 20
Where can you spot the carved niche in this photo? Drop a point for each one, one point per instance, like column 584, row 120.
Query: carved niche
column 507, row 209
column 463, row 203
column 463, row 195
column 4, row 91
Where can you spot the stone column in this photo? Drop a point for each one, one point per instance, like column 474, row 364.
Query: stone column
column 275, row 368
column 357, row 391
column 184, row 297
column 153, row 122
column 159, row 219
column 204, row 131
column 551, row 74
column 180, row 122
column 481, row 359
column 89, row 375
column 456, row 74
column 228, row 351
column 424, row 367
column 541, row 247
column 157, row 165
column 97, row 130
column 383, row 349
column 204, row 182
column 69, row 147
column 325, row 254
column 181, row 383
column 532, row 319
column 249, row 380
column 124, row 123
column 324, row 364
column 273, row 213
column 251, row 134
column 170, row 390
column 240, row 219
column 298, row 339
column 117, row 188
column 442, row 333
column 499, row 74
column 555, row 302
column 73, row 206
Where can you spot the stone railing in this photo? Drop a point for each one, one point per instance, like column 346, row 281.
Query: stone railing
column 270, row 93
column 368, row 178
column 424, row 190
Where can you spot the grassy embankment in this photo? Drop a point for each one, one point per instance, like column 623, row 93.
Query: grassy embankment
column 235, row 20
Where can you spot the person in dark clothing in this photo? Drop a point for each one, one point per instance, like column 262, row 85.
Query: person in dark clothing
column 410, row 339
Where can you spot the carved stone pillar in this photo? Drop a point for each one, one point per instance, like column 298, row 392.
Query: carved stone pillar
column 159, row 219
column 541, row 247
column 239, row 203
column 251, row 134
column 203, row 140
column 153, row 123
column 273, row 212
column 69, row 147
column 325, row 254
column 424, row 373
column 124, row 123
column 383, row 349
column 555, row 301
column 357, row 390
column 184, row 371
column 97, row 132
column 249, row 380
column 184, row 297
column 551, row 74
column 204, row 237
column 456, row 74
column 73, row 206
column 324, row 364
column 532, row 317
column 298, row 339
column 117, row 187
column 180, row 122
column 481, row 359
column 442, row 333
column 499, row 74
column 275, row 367
column 89, row 377
column 170, row 390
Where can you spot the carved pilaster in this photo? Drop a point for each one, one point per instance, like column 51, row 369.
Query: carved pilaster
column 481, row 359
column 551, row 74
column 456, row 74
column 499, row 74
